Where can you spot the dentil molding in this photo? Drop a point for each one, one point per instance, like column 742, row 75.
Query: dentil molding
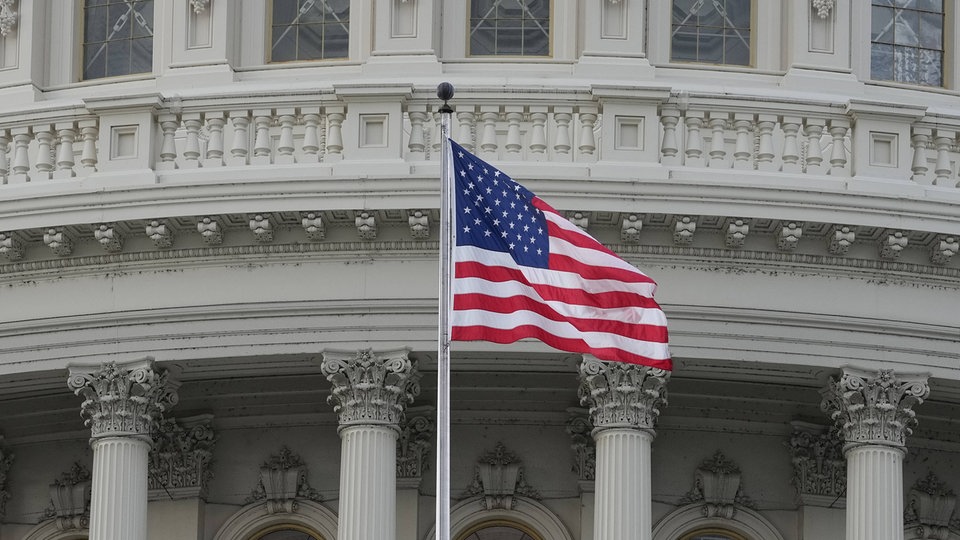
column 622, row 395
column 371, row 388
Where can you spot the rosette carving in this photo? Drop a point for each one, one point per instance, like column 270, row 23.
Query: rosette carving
column 622, row 395
column 122, row 399
column 370, row 388
column 413, row 446
column 873, row 408
column 181, row 456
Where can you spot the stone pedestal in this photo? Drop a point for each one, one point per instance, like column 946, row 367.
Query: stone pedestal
column 370, row 392
column 624, row 401
column 874, row 411
column 121, row 405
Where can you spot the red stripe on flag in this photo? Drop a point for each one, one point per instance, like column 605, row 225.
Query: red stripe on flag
column 565, row 263
column 644, row 332
column 498, row 335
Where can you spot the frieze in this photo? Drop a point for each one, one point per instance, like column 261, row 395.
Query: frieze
column 122, row 399
column 180, row 460
column 498, row 478
column 874, row 407
column 622, row 395
column 371, row 388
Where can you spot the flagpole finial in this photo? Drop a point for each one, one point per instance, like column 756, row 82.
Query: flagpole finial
column 445, row 92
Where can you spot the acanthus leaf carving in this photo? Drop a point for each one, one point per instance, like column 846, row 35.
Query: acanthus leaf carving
column 6, row 461
column 180, row 458
column 123, row 399
column 819, row 467
column 622, row 395
column 874, row 408
column 413, row 445
column 371, row 388
column 498, row 477
column 583, row 444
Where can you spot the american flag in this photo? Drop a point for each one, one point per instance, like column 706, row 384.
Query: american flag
column 521, row 270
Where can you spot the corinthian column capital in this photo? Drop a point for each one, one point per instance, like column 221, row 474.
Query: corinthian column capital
column 371, row 388
column 874, row 407
column 622, row 395
column 123, row 399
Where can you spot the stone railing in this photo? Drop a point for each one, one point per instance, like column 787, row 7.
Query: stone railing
column 157, row 137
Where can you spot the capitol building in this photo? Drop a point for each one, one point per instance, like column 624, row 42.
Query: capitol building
column 219, row 238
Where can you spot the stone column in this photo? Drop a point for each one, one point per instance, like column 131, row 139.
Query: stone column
column 121, row 405
column 370, row 392
column 874, row 411
column 624, row 401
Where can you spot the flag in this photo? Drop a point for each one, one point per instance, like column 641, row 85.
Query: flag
column 521, row 270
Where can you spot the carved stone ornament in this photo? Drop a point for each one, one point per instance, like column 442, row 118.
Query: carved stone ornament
column 716, row 486
column 70, row 499
column 108, row 237
column 413, row 445
column 419, row 222
column 160, row 233
column 622, row 395
column 313, row 226
column 819, row 467
column 199, row 6
column 498, row 477
column 823, row 7
column 684, row 228
column 261, row 228
column 630, row 227
column 840, row 239
column 874, row 408
column 930, row 507
column 8, row 17
column 283, row 480
column 366, row 225
column 122, row 399
column 6, row 460
column 210, row 231
column 584, row 446
column 371, row 388
column 11, row 247
column 180, row 458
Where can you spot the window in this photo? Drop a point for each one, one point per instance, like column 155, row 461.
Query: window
column 510, row 27
column 906, row 41
column 498, row 532
column 117, row 37
column 712, row 534
column 287, row 532
column 711, row 31
column 309, row 30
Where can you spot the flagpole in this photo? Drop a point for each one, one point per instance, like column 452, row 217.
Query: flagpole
column 444, row 92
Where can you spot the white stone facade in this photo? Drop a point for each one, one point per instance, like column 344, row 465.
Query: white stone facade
column 249, row 250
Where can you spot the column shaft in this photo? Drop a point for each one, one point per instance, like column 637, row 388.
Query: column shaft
column 118, row 507
column 368, row 483
column 623, row 505
column 875, row 493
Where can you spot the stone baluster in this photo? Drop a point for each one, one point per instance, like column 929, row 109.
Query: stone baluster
column 919, row 166
column 436, row 135
column 335, row 116
column 944, row 142
column 874, row 411
column 791, row 148
column 191, row 146
column 624, row 401
column 4, row 148
column 561, row 142
column 465, row 119
column 121, row 404
column 765, row 150
column 44, row 166
column 694, row 146
column 168, row 147
column 66, row 136
column 838, row 150
column 215, row 122
column 241, row 139
column 514, row 145
column 89, row 131
column 718, row 143
column 262, row 120
column 813, row 130
column 416, row 146
column 287, row 118
column 587, row 140
column 21, row 159
column 743, row 147
column 311, row 138
column 489, row 115
column 538, row 132
column 669, row 146
column 370, row 391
